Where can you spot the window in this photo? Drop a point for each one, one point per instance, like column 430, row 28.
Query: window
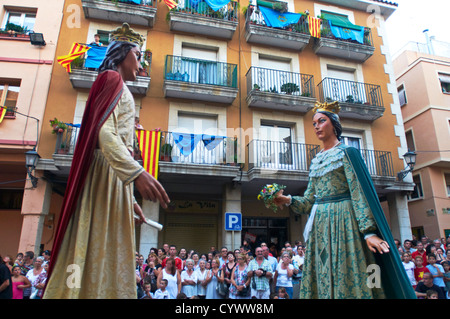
column 275, row 145
column 402, row 95
column 9, row 93
column 417, row 192
column 444, row 79
column 410, row 141
column 447, row 183
column 11, row 198
column 24, row 20
column 352, row 141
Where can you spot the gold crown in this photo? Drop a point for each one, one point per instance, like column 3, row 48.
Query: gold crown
column 125, row 33
column 332, row 107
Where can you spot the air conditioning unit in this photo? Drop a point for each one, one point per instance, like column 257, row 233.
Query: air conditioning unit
column 430, row 212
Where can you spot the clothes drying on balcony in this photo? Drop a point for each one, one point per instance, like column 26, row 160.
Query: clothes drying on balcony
column 95, row 56
column 217, row 4
column 277, row 19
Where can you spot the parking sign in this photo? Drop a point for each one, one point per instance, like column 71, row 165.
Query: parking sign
column 233, row 221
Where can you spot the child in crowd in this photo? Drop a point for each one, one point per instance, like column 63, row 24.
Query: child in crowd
column 437, row 271
column 282, row 294
column 409, row 267
column 431, row 294
column 147, row 292
column 446, row 266
column 420, row 269
column 162, row 293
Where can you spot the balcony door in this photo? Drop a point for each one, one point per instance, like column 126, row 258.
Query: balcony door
column 199, row 65
column 272, row 74
column 369, row 156
column 275, row 146
column 194, row 127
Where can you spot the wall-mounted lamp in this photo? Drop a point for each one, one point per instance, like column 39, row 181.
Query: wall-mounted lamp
column 410, row 159
column 37, row 39
column 31, row 158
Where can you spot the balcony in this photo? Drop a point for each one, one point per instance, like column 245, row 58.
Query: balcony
column 205, row 21
column 280, row 90
column 330, row 45
column 358, row 101
column 137, row 12
column 82, row 76
column 295, row 37
column 203, row 80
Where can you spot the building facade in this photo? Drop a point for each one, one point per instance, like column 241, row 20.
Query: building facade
column 423, row 80
column 25, row 73
column 241, row 92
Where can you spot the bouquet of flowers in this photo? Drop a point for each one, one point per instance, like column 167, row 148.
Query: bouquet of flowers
column 268, row 194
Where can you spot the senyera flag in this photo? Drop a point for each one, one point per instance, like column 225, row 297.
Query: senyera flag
column 2, row 113
column 149, row 144
column 171, row 4
column 314, row 26
column 76, row 51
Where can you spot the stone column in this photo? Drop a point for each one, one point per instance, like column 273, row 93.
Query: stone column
column 231, row 204
column 35, row 206
column 399, row 213
column 149, row 234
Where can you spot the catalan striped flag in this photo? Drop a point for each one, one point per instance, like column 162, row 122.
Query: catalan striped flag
column 2, row 113
column 314, row 26
column 76, row 51
column 171, row 4
column 149, row 144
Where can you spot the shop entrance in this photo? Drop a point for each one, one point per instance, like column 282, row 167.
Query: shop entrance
column 272, row 231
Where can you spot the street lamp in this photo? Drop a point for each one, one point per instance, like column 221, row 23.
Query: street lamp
column 410, row 159
column 31, row 158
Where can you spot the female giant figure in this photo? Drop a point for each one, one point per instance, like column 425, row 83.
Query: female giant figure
column 347, row 234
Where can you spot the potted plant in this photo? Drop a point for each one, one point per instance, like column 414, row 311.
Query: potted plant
column 289, row 88
column 58, row 126
column 166, row 151
column 256, row 87
column 63, row 149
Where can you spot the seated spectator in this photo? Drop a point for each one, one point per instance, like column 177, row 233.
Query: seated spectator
column 427, row 284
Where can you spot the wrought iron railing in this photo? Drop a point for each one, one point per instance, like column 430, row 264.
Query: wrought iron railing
column 66, row 141
column 345, row 91
column 379, row 163
column 191, row 70
column 190, row 148
column 282, row 82
column 254, row 16
column 229, row 12
column 281, row 155
column 325, row 31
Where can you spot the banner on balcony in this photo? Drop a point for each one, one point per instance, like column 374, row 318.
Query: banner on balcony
column 149, row 144
column 346, row 33
column 217, row 4
column 76, row 51
column 211, row 141
column 275, row 19
column 95, row 56
column 2, row 113
column 314, row 26
column 186, row 142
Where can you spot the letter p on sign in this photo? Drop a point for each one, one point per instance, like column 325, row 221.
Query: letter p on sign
column 233, row 221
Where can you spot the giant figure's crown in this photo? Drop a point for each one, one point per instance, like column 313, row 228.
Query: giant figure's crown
column 125, row 33
column 332, row 107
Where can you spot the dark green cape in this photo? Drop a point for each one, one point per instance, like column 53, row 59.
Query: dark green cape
column 394, row 279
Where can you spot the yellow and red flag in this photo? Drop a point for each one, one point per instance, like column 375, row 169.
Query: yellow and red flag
column 314, row 26
column 76, row 51
column 149, row 144
column 171, row 4
column 2, row 113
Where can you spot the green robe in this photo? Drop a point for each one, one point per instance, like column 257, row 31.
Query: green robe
column 338, row 263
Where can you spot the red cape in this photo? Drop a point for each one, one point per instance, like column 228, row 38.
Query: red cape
column 103, row 98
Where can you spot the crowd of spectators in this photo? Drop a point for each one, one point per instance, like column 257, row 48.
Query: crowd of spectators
column 245, row 273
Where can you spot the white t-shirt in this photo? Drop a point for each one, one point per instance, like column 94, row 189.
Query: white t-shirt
column 282, row 279
column 161, row 295
column 409, row 267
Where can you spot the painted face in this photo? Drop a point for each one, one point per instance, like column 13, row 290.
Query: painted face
column 130, row 65
column 323, row 127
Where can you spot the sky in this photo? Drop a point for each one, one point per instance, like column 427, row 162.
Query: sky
column 412, row 17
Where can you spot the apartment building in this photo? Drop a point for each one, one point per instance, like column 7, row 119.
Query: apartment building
column 422, row 73
column 29, row 34
column 240, row 87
